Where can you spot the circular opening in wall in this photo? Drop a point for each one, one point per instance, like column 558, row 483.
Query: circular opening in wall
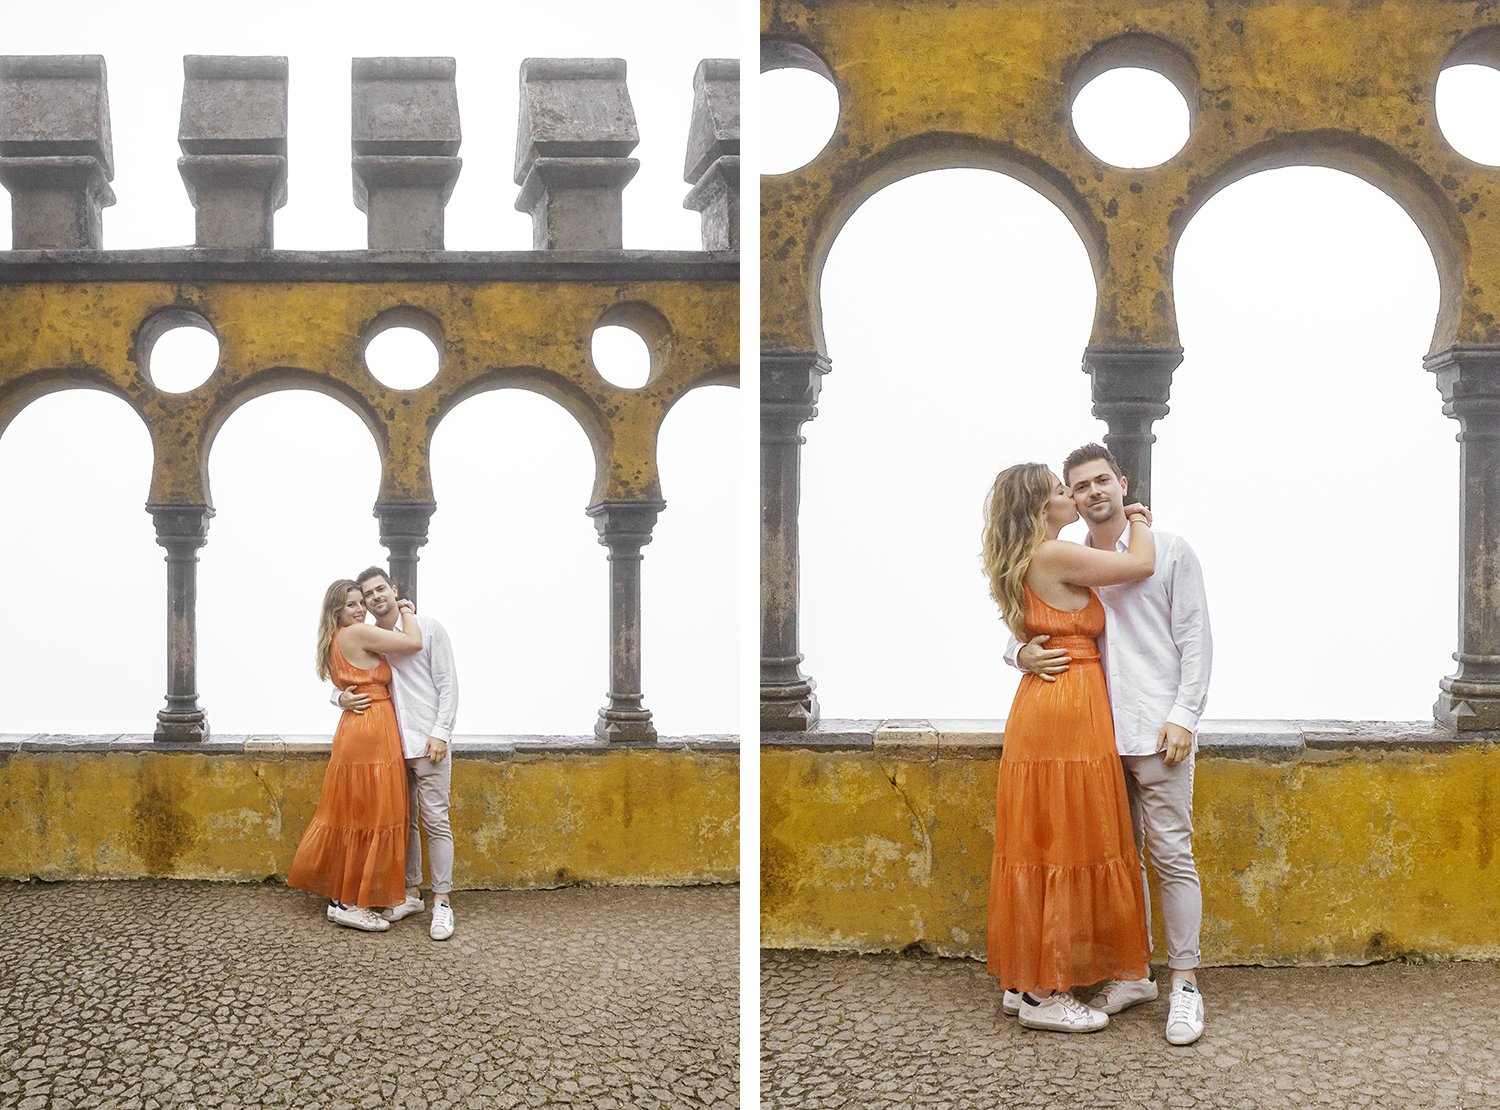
column 1132, row 118
column 402, row 357
column 621, row 356
column 180, row 350
column 1468, row 102
column 799, row 107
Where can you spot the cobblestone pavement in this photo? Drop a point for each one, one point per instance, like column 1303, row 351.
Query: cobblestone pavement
column 896, row 1031
column 187, row 995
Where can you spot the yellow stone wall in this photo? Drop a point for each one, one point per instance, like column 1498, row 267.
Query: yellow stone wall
column 624, row 816
column 933, row 84
column 1332, row 857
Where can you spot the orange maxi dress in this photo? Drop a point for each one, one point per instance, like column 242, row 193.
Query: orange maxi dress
column 354, row 849
column 1066, row 904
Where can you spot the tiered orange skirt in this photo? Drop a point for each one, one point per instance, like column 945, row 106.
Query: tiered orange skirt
column 1066, row 903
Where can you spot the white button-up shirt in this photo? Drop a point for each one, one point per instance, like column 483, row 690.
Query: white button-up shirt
column 1156, row 650
column 424, row 686
column 424, row 689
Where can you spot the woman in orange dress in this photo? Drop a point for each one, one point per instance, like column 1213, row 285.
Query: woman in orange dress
column 354, row 849
column 1066, row 903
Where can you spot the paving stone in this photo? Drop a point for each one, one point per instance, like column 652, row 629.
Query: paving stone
column 882, row 1032
column 176, row 994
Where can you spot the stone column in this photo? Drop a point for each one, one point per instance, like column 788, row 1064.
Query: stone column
column 713, row 153
column 625, row 527
column 405, row 137
column 576, row 128
column 1469, row 380
column 55, row 153
column 182, row 530
column 1130, row 386
column 403, row 529
column 233, row 138
column 789, row 385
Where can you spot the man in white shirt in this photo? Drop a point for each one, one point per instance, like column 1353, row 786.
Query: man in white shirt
column 424, row 688
column 1157, row 653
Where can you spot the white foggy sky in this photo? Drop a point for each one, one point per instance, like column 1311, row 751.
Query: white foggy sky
column 512, row 567
column 957, row 305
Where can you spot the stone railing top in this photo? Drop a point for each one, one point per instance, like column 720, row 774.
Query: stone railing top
column 1234, row 739
column 276, row 746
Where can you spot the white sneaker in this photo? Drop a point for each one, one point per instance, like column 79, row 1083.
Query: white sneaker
column 409, row 907
column 1011, row 1003
column 1061, row 1013
column 356, row 918
column 442, row 921
column 1121, row 994
column 1185, row 1018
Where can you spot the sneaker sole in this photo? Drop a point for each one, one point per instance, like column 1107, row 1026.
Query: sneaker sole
column 1058, row 1028
column 401, row 914
column 1121, row 1007
column 1180, row 1042
column 382, row 927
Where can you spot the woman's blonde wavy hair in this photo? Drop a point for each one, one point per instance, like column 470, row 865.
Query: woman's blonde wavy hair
column 333, row 601
column 1015, row 514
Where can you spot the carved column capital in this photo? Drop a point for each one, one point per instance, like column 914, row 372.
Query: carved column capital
column 790, row 382
column 1130, row 390
column 181, row 528
column 1468, row 379
column 625, row 527
column 403, row 531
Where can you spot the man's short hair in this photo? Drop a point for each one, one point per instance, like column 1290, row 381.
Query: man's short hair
column 1089, row 452
column 374, row 572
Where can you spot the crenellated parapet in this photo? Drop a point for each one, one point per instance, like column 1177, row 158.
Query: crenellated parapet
column 80, row 315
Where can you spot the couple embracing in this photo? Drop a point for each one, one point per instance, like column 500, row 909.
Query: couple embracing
column 389, row 772
column 1098, row 757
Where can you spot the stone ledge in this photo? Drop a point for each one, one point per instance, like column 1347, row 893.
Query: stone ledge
column 464, row 747
column 211, row 264
column 1275, row 740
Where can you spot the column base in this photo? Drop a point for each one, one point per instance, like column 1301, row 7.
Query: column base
column 625, row 726
column 181, row 727
column 788, row 707
column 1468, row 710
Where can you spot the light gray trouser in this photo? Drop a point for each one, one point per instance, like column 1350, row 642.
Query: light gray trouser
column 1161, row 810
column 427, row 786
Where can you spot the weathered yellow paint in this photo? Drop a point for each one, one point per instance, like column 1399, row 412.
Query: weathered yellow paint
column 930, row 84
column 525, row 334
column 623, row 816
column 1332, row 858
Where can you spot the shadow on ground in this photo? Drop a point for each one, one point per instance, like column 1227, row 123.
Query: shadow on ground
column 186, row 995
column 879, row 1032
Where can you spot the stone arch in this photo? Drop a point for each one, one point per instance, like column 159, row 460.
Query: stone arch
column 586, row 410
column 936, row 150
column 1374, row 163
column 279, row 379
column 16, row 396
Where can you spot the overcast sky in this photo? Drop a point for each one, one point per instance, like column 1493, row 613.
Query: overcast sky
column 957, row 305
column 513, row 568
